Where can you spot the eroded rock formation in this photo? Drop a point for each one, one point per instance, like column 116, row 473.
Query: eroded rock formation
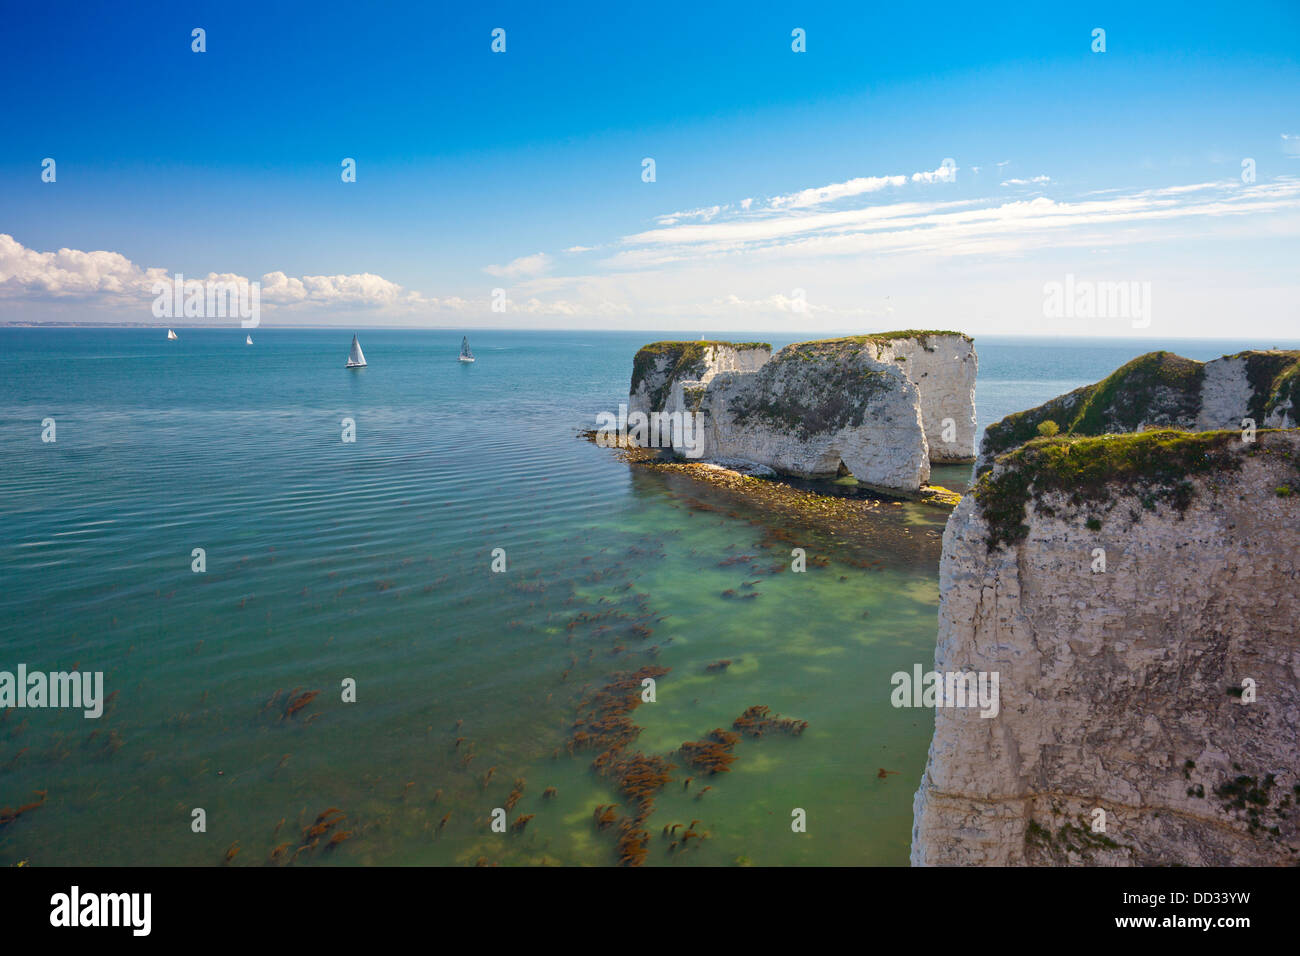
column 884, row 406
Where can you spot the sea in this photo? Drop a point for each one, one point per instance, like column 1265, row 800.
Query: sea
column 433, row 549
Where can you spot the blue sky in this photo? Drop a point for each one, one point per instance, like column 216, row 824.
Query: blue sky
column 522, row 171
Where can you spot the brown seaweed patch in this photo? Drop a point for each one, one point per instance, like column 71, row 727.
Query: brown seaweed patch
column 8, row 814
column 758, row 720
column 295, row 704
column 713, row 753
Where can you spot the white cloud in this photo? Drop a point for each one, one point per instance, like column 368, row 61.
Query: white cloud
column 946, row 173
column 703, row 215
column 70, row 272
column 522, row 268
column 1027, row 182
column 823, row 194
column 959, row 227
column 1291, row 144
column 111, row 279
column 863, row 185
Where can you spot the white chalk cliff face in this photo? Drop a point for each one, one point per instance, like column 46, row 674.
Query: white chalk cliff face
column 943, row 368
column 1121, row 684
column 666, row 363
column 882, row 406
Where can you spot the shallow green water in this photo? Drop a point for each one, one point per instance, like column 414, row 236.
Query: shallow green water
column 371, row 561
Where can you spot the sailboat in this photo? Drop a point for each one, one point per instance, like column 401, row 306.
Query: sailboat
column 356, row 358
column 465, row 354
column 171, row 335
column 248, row 340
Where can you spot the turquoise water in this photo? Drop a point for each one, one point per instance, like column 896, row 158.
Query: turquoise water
column 371, row 560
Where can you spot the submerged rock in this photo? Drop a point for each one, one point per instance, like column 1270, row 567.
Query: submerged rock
column 1137, row 597
column 881, row 406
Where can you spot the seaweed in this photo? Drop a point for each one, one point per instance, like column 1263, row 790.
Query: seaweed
column 296, row 704
column 758, row 720
column 713, row 753
column 8, row 814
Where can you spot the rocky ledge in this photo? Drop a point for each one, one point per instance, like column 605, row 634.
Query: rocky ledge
column 881, row 407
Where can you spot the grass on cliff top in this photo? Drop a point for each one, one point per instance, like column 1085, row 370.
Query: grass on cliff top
column 884, row 337
column 853, row 344
column 1159, row 383
column 1125, row 396
column 1118, row 403
column 687, row 361
column 1155, row 466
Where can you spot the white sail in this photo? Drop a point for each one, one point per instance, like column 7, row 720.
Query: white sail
column 356, row 358
column 465, row 354
column 248, row 340
column 171, row 334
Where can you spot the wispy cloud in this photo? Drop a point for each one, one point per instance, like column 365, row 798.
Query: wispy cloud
column 862, row 185
column 957, row 227
column 523, row 267
column 1026, row 182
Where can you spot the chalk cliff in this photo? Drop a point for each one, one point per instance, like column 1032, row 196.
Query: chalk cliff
column 1164, row 390
column 660, row 366
column 1139, row 597
column 882, row 405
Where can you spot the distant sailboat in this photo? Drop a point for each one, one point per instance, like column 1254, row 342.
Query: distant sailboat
column 356, row 358
column 171, row 334
column 248, row 340
column 465, row 354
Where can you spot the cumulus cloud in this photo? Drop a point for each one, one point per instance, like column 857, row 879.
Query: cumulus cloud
column 946, row 173
column 363, row 289
column 70, row 273
column 111, row 279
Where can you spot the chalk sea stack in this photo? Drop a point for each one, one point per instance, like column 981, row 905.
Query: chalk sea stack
column 881, row 406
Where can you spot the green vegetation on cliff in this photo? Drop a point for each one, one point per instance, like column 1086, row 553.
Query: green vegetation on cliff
column 853, row 344
column 1154, row 466
column 834, row 399
column 1155, row 386
column 1159, row 388
column 685, row 360
column 1274, row 378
